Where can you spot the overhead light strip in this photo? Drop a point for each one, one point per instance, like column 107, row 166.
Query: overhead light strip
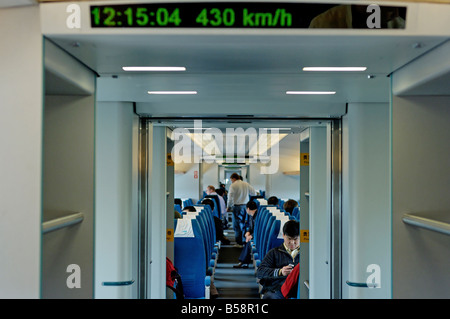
column 311, row 92
column 335, row 69
column 153, row 68
column 172, row 92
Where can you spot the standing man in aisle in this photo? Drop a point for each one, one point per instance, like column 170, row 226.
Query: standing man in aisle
column 238, row 196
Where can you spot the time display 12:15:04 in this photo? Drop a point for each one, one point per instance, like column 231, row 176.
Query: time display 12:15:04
column 140, row 17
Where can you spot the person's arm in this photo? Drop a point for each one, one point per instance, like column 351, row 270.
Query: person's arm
column 252, row 190
column 267, row 269
column 230, row 203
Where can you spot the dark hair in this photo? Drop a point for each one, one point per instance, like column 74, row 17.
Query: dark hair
column 177, row 201
column 290, row 205
column 273, row 200
column 252, row 205
column 209, row 202
column 190, row 209
column 291, row 228
column 235, row 176
column 220, row 191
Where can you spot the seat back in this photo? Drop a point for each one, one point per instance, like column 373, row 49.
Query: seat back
column 265, row 236
column 217, row 208
column 189, row 257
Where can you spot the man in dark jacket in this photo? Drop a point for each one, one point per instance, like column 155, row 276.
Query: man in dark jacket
column 245, row 258
column 279, row 262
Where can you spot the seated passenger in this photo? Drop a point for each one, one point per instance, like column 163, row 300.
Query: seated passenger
column 245, row 258
column 279, row 262
column 273, row 200
column 211, row 190
column 177, row 201
column 188, row 209
column 217, row 222
column 221, row 194
column 289, row 206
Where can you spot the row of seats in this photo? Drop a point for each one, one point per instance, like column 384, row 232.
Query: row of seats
column 196, row 251
column 217, row 207
column 268, row 231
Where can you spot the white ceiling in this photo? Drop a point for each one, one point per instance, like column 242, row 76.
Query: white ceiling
column 244, row 74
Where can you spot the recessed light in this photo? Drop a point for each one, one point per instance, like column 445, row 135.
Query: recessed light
column 172, row 92
column 310, row 92
column 335, row 69
column 153, row 68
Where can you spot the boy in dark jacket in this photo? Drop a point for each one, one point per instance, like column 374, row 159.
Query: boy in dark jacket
column 280, row 261
column 245, row 258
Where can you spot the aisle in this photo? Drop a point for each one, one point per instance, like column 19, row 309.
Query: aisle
column 234, row 283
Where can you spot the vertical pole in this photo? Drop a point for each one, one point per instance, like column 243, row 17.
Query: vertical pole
column 304, row 214
column 157, row 225
column 336, row 209
column 144, row 252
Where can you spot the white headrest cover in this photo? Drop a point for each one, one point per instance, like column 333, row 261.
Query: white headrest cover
column 283, row 220
column 262, row 201
column 184, row 228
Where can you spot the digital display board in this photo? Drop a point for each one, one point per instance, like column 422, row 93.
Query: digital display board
column 250, row 15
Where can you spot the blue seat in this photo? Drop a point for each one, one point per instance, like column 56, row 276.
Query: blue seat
column 210, row 226
column 272, row 237
column 265, row 214
column 189, row 258
column 296, row 213
column 208, row 233
column 265, row 238
column 217, row 208
column 177, row 207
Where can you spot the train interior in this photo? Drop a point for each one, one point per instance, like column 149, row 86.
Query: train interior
column 110, row 150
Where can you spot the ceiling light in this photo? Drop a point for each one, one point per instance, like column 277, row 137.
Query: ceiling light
column 335, row 69
column 310, row 92
column 172, row 92
column 153, row 68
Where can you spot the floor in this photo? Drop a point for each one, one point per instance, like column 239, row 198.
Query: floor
column 234, row 283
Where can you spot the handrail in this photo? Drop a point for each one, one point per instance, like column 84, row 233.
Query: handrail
column 427, row 223
column 118, row 283
column 62, row 222
column 306, row 283
column 362, row 284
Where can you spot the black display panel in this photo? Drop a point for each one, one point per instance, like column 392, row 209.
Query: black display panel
column 247, row 15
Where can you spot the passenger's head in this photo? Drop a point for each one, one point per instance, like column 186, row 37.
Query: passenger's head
column 220, row 192
column 177, row 201
column 208, row 201
column 210, row 189
column 289, row 205
column 189, row 209
column 234, row 177
column 251, row 208
column 273, row 200
column 291, row 234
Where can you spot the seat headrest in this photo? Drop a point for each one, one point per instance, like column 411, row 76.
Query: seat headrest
column 262, row 201
column 283, row 220
column 184, row 228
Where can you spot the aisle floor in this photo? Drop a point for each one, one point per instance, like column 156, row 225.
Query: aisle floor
column 234, row 283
